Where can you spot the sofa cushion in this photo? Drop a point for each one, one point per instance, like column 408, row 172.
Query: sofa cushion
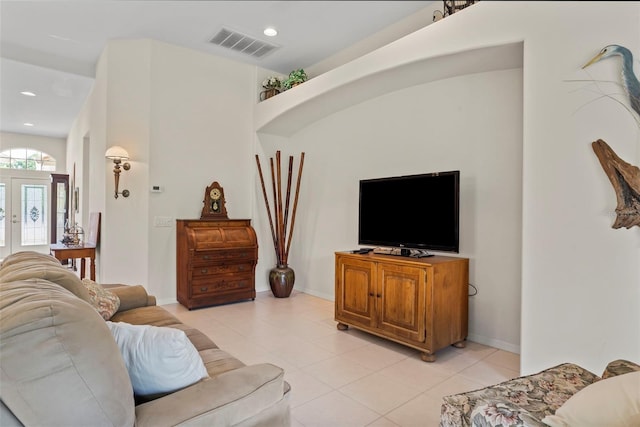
column 219, row 361
column 60, row 365
column 159, row 359
column 151, row 315
column 237, row 397
column 131, row 296
column 105, row 302
column 586, row 408
column 51, row 272
column 619, row 367
column 28, row 256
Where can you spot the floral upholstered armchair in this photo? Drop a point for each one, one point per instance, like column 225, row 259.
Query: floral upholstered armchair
column 535, row 400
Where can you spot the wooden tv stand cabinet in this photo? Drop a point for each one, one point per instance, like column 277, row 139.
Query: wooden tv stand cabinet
column 418, row 302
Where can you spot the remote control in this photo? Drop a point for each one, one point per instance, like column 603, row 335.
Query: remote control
column 362, row 251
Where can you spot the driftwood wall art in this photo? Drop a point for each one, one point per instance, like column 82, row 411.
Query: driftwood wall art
column 625, row 179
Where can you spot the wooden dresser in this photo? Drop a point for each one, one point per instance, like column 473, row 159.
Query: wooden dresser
column 216, row 261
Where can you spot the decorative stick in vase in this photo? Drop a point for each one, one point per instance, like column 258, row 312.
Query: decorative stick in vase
column 282, row 277
column 295, row 202
column 266, row 200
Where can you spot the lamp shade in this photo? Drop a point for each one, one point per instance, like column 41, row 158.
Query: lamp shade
column 116, row 153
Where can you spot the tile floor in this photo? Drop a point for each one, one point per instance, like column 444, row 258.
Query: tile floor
column 345, row 378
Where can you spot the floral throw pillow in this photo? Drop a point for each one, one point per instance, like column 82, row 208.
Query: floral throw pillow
column 104, row 301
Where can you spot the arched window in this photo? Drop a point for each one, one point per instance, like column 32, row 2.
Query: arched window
column 28, row 159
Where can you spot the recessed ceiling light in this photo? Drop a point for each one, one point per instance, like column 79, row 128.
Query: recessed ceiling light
column 270, row 31
column 27, row 93
column 28, row 124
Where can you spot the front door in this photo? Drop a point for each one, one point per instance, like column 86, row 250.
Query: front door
column 24, row 218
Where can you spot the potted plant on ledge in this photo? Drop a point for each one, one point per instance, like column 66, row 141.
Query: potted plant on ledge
column 295, row 78
column 272, row 86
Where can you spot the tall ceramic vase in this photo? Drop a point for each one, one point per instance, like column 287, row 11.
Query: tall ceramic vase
column 281, row 279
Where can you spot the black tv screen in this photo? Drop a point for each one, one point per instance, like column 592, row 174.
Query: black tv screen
column 413, row 211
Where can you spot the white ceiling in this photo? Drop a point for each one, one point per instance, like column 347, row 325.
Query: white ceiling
column 51, row 47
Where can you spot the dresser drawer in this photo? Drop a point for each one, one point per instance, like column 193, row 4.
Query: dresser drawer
column 208, row 257
column 207, row 285
column 215, row 269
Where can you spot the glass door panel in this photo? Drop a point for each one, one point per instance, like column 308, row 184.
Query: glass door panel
column 59, row 206
column 4, row 245
column 33, row 207
column 30, row 215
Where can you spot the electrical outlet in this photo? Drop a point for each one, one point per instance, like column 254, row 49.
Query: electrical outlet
column 162, row 221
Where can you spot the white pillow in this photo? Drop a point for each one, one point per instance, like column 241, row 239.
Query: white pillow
column 614, row 402
column 159, row 359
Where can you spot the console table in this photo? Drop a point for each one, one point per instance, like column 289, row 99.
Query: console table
column 62, row 252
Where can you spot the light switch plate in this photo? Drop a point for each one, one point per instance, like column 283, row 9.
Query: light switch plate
column 162, row 221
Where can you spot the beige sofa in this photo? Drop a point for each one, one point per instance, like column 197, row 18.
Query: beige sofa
column 60, row 365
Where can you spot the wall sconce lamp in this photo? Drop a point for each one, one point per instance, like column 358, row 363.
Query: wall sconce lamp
column 118, row 154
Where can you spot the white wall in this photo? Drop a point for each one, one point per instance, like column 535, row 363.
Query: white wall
column 91, row 125
column 185, row 119
column 201, row 132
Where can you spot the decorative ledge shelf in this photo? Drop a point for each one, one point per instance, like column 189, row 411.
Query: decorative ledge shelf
column 393, row 67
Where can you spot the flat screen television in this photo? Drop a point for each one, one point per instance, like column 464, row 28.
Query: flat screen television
column 411, row 212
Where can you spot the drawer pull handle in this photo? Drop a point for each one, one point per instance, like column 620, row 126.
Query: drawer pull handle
column 204, row 271
column 371, row 294
column 206, row 257
column 379, row 296
column 241, row 268
column 203, row 289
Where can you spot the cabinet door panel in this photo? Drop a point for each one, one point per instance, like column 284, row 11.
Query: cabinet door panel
column 354, row 289
column 401, row 298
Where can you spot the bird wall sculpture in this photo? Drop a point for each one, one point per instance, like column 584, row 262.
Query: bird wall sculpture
column 624, row 177
column 629, row 80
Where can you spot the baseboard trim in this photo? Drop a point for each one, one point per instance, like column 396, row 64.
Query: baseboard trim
column 329, row 297
column 492, row 342
column 166, row 301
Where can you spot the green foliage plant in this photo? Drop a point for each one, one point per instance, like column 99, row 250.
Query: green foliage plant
column 295, row 78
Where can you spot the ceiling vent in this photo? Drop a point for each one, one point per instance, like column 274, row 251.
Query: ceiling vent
column 242, row 43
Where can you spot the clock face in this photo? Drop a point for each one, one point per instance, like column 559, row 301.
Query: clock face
column 215, row 194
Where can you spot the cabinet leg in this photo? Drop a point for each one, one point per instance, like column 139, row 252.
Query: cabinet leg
column 428, row 357
column 342, row 326
column 460, row 344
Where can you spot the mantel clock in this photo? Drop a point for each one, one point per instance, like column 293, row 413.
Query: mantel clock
column 214, row 203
